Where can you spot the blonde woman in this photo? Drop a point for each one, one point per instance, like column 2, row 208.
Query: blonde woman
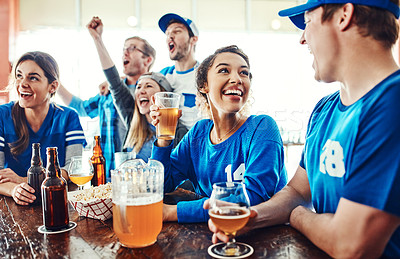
column 141, row 133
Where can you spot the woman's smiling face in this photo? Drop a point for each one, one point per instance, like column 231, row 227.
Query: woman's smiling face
column 32, row 85
column 228, row 82
column 145, row 89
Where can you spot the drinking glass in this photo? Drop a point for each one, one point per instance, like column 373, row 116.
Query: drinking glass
column 80, row 171
column 229, row 211
column 169, row 109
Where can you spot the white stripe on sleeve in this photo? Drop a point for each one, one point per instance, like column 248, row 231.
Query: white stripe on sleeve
column 74, row 132
column 74, row 138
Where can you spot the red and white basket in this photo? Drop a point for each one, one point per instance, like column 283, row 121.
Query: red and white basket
column 96, row 208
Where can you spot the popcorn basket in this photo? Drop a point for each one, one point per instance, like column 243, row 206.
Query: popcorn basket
column 91, row 206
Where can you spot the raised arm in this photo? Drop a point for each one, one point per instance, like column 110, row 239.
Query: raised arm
column 95, row 27
column 122, row 96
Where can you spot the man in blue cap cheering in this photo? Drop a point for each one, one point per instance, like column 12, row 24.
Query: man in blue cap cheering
column 349, row 172
column 182, row 36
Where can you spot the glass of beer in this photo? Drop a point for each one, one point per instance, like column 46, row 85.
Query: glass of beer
column 168, row 104
column 137, row 196
column 80, row 171
column 229, row 211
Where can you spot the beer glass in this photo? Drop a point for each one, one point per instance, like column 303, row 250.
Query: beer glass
column 168, row 104
column 80, row 171
column 229, row 211
column 137, row 196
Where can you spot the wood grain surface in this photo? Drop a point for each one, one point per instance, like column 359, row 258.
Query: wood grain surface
column 96, row 239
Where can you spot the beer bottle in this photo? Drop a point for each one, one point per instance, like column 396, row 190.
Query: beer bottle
column 99, row 164
column 54, row 194
column 36, row 173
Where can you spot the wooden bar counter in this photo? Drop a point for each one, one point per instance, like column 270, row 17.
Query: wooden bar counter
column 96, row 239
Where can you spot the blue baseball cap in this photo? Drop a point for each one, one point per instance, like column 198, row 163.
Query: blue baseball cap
column 296, row 14
column 164, row 21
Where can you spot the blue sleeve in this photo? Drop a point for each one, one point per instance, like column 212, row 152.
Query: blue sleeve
column 302, row 164
column 177, row 163
column 74, row 132
column 265, row 172
column 86, row 108
column 167, row 70
column 192, row 211
column 178, row 167
column 374, row 178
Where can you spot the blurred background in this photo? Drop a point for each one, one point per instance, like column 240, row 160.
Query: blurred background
column 283, row 79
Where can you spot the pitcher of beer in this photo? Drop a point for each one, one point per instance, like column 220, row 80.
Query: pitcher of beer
column 137, row 195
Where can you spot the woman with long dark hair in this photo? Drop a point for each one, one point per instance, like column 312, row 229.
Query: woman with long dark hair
column 35, row 119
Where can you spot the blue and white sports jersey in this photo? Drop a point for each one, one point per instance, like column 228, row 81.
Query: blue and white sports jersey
column 60, row 128
column 354, row 152
column 184, row 83
column 253, row 154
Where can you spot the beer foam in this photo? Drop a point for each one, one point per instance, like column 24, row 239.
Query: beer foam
column 144, row 199
column 212, row 213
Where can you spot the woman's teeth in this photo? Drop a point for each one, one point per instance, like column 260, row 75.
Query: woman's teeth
column 233, row 92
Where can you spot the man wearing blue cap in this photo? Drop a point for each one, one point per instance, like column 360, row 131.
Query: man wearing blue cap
column 350, row 168
column 182, row 36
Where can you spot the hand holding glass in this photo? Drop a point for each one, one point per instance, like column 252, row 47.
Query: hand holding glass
column 229, row 211
column 80, row 171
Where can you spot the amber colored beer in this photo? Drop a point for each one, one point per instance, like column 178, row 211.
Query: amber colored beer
column 99, row 164
column 166, row 126
column 80, row 179
column 55, row 207
column 54, row 194
column 229, row 219
column 141, row 224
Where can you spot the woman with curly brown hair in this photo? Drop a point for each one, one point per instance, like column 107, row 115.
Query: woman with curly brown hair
column 229, row 147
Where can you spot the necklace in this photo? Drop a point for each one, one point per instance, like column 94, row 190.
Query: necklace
column 234, row 126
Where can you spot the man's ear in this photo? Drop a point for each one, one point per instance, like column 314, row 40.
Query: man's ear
column 148, row 60
column 194, row 40
column 345, row 16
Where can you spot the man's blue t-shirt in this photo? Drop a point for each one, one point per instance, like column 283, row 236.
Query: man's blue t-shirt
column 354, row 152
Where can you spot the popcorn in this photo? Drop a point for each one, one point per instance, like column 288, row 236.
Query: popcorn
column 95, row 202
column 99, row 192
